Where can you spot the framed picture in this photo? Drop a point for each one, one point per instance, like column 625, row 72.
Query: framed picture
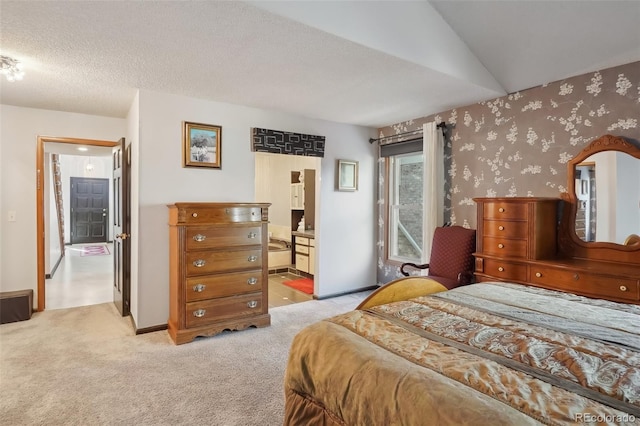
column 347, row 175
column 201, row 145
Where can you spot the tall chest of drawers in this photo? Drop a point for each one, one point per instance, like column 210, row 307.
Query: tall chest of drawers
column 513, row 230
column 218, row 254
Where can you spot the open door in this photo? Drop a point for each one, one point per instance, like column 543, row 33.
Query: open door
column 122, row 227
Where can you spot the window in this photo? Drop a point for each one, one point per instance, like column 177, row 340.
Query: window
column 405, row 186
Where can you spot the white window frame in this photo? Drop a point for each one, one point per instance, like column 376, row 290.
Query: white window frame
column 394, row 207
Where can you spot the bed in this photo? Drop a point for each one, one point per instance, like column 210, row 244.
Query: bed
column 488, row 353
column 549, row 335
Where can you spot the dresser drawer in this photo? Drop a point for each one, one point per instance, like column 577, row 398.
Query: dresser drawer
column 204, row 214
column 505, row 229
column 505, row 210
column 302, row 262
column 504, row 247
column 302, row 240
column 201, row 237
column 302, row 249
column 208, row 262
column 505, row 270
column 586, row 283
column 208, row 311
column 210, row 286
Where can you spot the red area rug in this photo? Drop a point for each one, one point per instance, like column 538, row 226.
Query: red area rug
column 94, row 250
column 305, row 285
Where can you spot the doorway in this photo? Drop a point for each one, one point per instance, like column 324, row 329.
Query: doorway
column 284, row 181
column 68, row 146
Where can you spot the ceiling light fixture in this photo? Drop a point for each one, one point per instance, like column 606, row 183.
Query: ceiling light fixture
column 11, row 68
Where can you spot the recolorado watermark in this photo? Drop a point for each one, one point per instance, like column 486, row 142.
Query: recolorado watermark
column 599, row 418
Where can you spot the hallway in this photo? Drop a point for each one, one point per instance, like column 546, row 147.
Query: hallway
column 81, row 280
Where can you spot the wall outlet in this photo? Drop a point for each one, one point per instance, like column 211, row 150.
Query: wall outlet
column 11, row 216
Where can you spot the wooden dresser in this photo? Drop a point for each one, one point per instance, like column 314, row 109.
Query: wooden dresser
column 512, row 231
column 218, row 255
column 518, row 241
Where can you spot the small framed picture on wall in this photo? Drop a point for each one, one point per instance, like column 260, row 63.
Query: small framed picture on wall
column 347, row 179
column 201, row 145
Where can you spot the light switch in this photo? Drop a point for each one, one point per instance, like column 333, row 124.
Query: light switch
column 12, row 215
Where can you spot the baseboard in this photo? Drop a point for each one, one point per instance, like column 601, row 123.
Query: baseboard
column 146, row 329
column 53, row 271
column 329, row 296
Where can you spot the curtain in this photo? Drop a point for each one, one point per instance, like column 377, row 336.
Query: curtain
column 433, row 196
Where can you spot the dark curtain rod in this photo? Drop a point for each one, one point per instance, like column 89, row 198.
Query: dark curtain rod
column 442, row 125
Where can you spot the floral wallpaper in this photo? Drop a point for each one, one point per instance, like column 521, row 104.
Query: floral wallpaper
column 518, row 145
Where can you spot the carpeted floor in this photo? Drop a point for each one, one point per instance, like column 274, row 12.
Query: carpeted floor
column 84, row 366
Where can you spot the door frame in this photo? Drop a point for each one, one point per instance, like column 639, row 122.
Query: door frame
column 40, row 190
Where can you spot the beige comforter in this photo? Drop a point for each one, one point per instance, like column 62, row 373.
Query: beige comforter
column 485, row 354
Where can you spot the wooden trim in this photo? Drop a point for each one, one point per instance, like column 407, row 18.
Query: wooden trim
column 570, row 245
column 40, row 221
column 41, row 140
column 402, row 289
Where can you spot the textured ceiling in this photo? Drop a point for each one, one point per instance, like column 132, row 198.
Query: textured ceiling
column 371, row 63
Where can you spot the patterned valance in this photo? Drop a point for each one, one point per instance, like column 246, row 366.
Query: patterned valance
column 279, row 142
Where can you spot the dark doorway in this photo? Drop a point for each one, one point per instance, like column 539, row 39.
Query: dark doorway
column 89, row 201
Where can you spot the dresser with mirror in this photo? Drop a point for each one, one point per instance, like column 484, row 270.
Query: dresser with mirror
column 597, row 244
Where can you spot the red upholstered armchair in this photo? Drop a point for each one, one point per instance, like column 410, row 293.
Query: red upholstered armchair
column 451, row 262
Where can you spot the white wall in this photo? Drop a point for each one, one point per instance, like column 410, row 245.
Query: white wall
column 345, row 236
column 132, row 140
column 346, row 233
column 19, row 130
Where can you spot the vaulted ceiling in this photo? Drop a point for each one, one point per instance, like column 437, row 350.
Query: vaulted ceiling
column 369, row 63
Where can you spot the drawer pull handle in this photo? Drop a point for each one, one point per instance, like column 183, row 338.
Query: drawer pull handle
column 500, row 245
column 252, row 258
column 538, row 274
column 576, row 277
column 252, row 235
column 199, row 313
column 194, row 214
column 199, row 288
column 623, row 288
column 252, row 281
column 199, row 237
column 501, row 209
column 501, row 228
column 252, row 304
column 501, row 269
column 199, row 263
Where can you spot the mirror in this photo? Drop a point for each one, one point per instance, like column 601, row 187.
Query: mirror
column 605, row 177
